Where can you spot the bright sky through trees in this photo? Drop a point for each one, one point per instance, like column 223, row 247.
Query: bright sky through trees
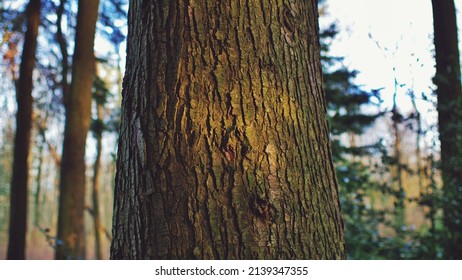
column 377, row 36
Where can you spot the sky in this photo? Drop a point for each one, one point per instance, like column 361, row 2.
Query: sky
column 377, row 36
column 386, row 40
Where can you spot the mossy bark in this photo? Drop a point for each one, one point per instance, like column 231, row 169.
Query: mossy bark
column 71, row 239
column 21, row 164
column 224, row 150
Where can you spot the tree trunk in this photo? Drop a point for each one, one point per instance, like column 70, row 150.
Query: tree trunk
column 19, row 181
column 449, row 94
column 397, row 174
column 63, row 48
column 418, row 152
column 38, row 184
column 96, row 186
column 224, row 150
column 71, row 241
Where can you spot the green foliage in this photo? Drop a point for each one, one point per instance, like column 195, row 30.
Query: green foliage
column 361, row 169
column 6, row 162
column 100, row 96
column 100, row 91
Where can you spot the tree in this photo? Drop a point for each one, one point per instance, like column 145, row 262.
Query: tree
column 224, row 147
column 99, row 95
column 62, row 42
column 449, row 93
column 20, row 178
column 71, row 242
column 356, row 175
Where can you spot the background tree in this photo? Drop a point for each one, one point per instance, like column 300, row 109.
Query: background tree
column 54, row 52
column 104, row 120
column 449, row 92
column 62, row 42
column 384, row 200
column 20, row 177
column 71, row 242
column 100, row 96
column 346, row 103
column 224, row 150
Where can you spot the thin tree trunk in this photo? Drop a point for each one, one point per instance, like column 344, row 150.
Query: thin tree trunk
column 449, row 92
column 41, row 129
column 71, row 239
column 63, row 48
column 19, row 182
column 96, row 187
column 400, row 193
column 38, row 184
column 418, row 151
column 224, row 150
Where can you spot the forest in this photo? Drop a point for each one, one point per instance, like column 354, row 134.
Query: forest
column 279, row 129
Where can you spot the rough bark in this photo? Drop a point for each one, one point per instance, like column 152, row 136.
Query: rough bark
column 71, row 241
column 224, row 150
column 449, row 92
column 19, row 181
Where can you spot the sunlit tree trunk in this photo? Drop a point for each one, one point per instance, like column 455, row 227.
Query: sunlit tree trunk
column 71, row 239
column 224, row 150
column 449, row 92
column 19, row 181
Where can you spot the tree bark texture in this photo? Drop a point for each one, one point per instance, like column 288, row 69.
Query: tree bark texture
column 449, row 92
column 71, row 241
column 224, row 150
column 20, row 178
